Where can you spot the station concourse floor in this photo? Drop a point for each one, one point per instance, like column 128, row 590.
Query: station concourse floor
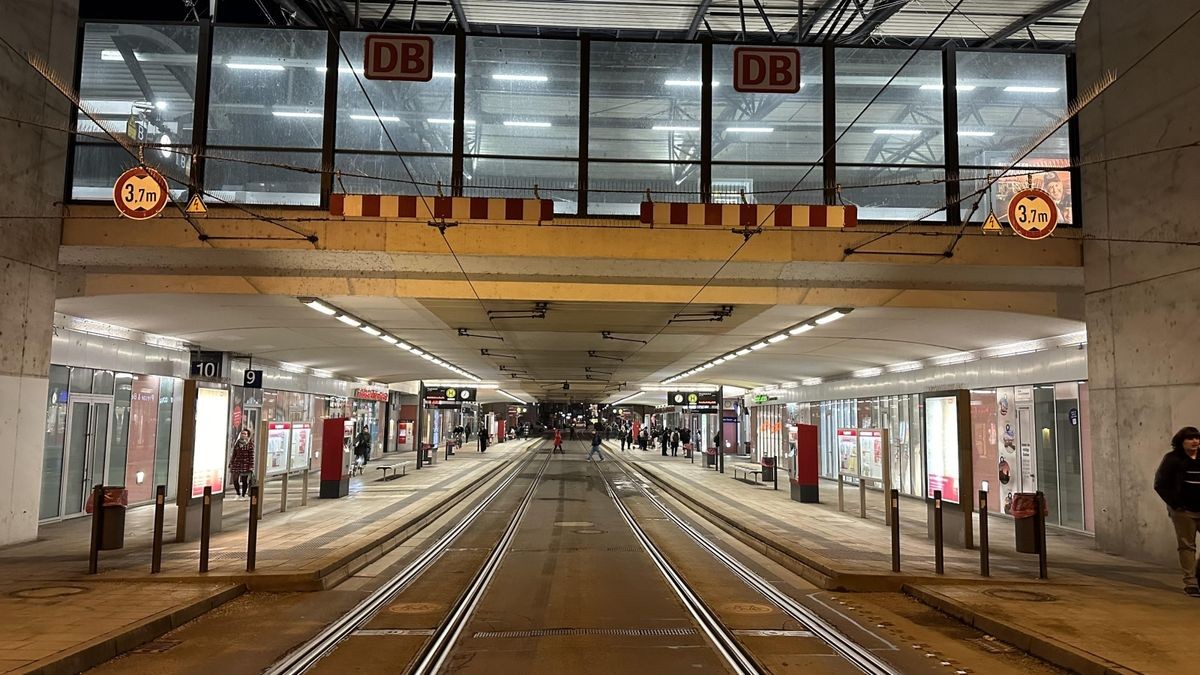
column 1095, row 613
column 55, row 618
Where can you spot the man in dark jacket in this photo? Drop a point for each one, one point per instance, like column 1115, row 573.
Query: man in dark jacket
column 1177, row 481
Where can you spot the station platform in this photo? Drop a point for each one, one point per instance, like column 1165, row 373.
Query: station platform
column 1096, row 613
column 56, row 618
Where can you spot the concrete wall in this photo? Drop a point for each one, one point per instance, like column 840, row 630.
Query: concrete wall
column 1142, row 299
column 32, row 163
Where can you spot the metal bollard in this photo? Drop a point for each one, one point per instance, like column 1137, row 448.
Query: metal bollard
column 205, row 525
column 252, row 537
column 938, row 552
column 1039, row 524
column 160, row 508
column 984, row 568
column 894, row 508
column 97, row 528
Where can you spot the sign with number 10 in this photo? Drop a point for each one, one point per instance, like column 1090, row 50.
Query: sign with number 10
column 140, row 193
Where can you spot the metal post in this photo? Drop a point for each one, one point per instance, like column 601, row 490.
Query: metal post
column 938, row 553
column 97, row 528
column 205, row 525
column 984, row 569
column 894, row 510
column 706, row 154
column 252, row 537
column 304, row 487
column 1039, row 524
column 774, row 470
column 585, row 79
column 160, row 510
column 420, row 418
column 841, row 493
column 283, row 493
column 458, row 140
column 862, row 498
column 721, row 390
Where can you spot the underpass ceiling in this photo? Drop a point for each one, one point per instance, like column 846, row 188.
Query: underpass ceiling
column 553, row 350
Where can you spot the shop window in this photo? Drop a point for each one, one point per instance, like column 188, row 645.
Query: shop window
column 264, row 177
column 162, row 439
column 118, row 447
column 384, row 174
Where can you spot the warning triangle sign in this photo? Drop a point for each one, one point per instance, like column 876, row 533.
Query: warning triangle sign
column 196, row 207
column 992, row 224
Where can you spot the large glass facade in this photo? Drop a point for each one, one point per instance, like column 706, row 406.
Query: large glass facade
column 593, row 124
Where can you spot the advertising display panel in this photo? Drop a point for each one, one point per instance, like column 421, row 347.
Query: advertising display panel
column 847, row 446
column 870, row 453
column 941, row 446
column 278, row 439
column 208, row 456
column 298, row 454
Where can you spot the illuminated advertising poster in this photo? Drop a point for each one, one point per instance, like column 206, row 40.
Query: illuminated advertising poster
column 278, row 440
column 208, row 455
column 298, row 457
column 847, row 443
column 941, row 446
column 870, row 451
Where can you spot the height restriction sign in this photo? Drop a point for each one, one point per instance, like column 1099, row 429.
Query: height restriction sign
column 140, row 193
column 1032, row 214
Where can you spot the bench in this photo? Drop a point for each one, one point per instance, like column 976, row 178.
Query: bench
column 747, row 470
column 402, row 467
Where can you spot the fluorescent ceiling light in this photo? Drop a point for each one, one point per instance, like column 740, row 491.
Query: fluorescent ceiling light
column 868, row 372
column 321, row 307
column 744, row 351
column 115, row 55
column 520, row 78
column 898, row 132
column 831, row 317
column 518, row 123
column 161, row 105
column 438, row 73
column 427, row 357
column 977, row 134
column 953, row 359
column 719, row 360
column 811, row 381
column 688, row 83
column 758, row 346
column 272, row 67
column 802, row 328
column 373, row 118
column 417, row 352
column 668, row 127
column 447, row 120
column 730, row 357
column 349, row 320
column 904, row 367
column 370, row 330
column 938, row 87
column 391, row 340
column 323, row 374
column 290, row 113
column 505, row 393
column 405, row 346
column 751, row 130
column 777, row 338
column 1031, row 90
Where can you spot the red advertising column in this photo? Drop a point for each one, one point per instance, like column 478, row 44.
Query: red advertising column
column 337, row 444
column 807, row 472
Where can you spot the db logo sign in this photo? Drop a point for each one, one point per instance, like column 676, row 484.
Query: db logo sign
column 398, row 57
column 766, row 70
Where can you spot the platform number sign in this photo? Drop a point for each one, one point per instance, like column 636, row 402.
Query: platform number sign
column 207, row 365
column 252, row 379
column 140, row 193
column 1032, row 214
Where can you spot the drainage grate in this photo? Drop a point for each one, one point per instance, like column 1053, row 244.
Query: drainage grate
column 157, row 646
column 612, row 632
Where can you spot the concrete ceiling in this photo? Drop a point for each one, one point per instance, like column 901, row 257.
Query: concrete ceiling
column 555, row 349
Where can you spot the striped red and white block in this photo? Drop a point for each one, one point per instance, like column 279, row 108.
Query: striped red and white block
column 750, row 215
column 453, row 208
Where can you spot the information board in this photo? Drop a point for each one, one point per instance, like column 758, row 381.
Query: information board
column 847, row 445
column 298, row 457
column 870, row 453
column 278, row 442
column 208, row 449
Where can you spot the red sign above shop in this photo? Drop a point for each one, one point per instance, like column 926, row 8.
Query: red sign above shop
column 371, row 394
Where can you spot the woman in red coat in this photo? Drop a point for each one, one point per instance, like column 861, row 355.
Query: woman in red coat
column 241, row 463
column 558, row 440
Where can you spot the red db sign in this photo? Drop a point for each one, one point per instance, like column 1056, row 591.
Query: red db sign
column 398, row 57
column 765, row 70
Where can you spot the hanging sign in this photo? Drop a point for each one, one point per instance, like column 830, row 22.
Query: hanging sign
column 992, row 224
column 196, row 207
column 448, row 397
column 398, row 57
column 252, row 379
column 1032, row 214
column 140, row 193
column 766, row 70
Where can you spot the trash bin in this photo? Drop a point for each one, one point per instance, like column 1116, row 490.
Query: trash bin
column 768, row 469
column 1024, row 508
column 710, row 457
column 428, row 450
column 112, row 533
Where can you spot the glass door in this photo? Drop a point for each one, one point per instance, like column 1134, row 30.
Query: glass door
column 88, row 422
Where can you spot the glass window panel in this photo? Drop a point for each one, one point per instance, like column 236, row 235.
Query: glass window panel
column 903, row 125
column 1006, row 101
column 618, row 189
column 1057, row 183
column 645, row 101
column 143, row 430
column 97, row 166
column 268, row 87
column 889, row 193
column 767, row 127
column 162, row 440
column 257, row 177
column 102, row 382
column 418, row 115
column 1045, row 447
column 385, row 175
column 523, row 97
column 1070, row 468
column 768, row 184
column 484, row 177
column 55, row 438
column 81, row 380
column 119, row 445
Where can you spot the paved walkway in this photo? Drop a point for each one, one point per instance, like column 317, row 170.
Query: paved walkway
column 55, row 618
column 1097, row 613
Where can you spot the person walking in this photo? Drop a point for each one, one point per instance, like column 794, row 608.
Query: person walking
column 685, row 438
column 557, row 441
column 675, row 442
column 643, row 439
column 621, row 431
column 597, row 439
column 241, row 463
column 665, row 440
column 1177, row 482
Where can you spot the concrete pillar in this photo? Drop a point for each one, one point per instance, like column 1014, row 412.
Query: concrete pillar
column 32, row 164
column 1142, row 298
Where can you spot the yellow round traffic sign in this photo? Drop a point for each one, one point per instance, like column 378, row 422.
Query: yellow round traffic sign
column 1032, row 214
column 140, row 193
